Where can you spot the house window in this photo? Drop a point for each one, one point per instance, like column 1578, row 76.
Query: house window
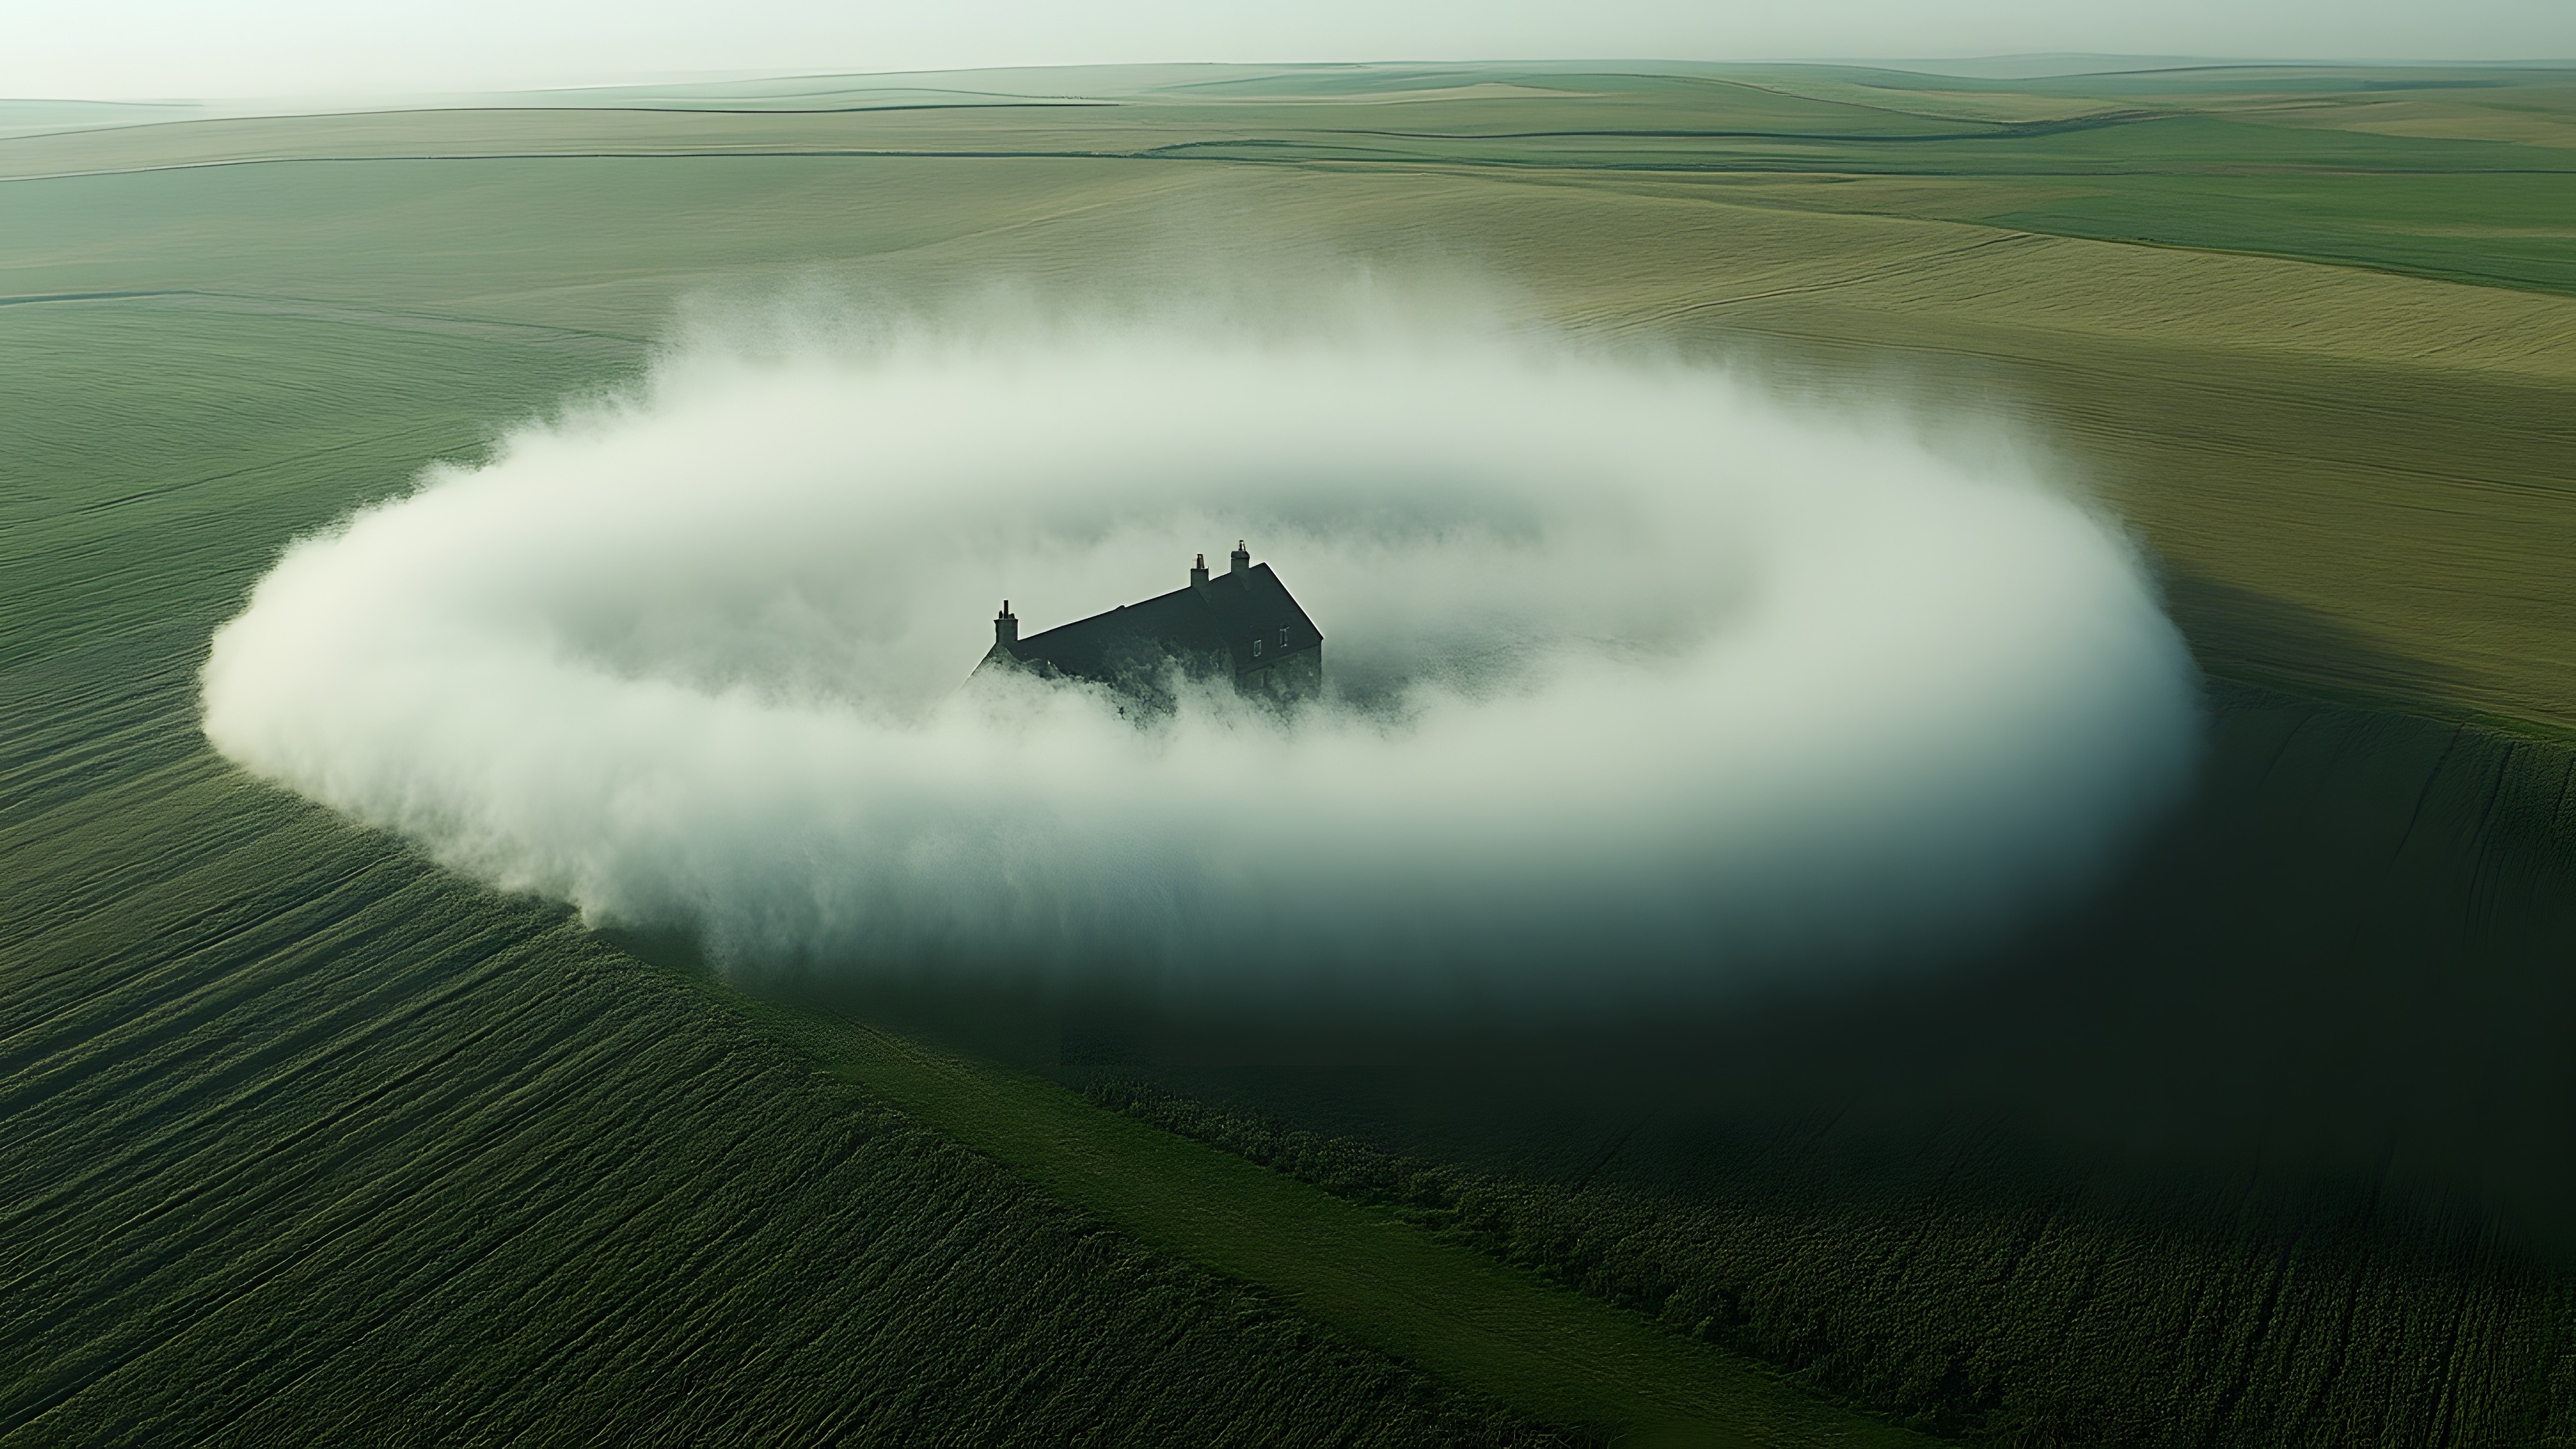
column 1283, row 636
column 1256, row 647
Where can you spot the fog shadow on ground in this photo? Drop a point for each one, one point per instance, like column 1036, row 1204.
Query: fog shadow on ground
column 2340, row 969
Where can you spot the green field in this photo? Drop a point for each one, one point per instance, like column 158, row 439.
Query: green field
column 310, row 1142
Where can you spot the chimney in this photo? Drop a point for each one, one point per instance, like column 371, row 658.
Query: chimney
column 1198, row 572
column 1006, row 626
column 1242, row 560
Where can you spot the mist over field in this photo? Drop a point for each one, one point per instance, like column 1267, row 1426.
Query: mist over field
column 1639, row 681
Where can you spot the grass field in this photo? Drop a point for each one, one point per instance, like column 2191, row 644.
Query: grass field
column 1559, row 1357
column 310, row 1143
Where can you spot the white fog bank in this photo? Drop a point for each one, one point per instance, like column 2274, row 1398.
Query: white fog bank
column 1638, row 682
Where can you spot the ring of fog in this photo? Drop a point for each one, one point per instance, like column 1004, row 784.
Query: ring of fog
column 1636, row 681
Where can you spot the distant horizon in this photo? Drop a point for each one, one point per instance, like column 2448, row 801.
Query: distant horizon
column 257, row 49
column 2007, row 66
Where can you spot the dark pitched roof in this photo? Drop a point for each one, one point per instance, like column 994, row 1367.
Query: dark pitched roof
column 1211, row 622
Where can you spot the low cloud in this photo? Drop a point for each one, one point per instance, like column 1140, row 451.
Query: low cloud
column 1638, row 681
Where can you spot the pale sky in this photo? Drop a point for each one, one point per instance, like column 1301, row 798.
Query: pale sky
column 199, row 48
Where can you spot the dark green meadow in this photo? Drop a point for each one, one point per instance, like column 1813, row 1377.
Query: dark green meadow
column 310, row 1142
